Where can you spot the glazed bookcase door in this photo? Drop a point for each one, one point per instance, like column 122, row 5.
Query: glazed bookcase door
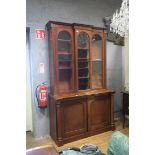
column 97, row 61
column 83, row 60
column 65, row 61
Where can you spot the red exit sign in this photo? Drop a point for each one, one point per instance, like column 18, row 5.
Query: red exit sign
column 40, row 34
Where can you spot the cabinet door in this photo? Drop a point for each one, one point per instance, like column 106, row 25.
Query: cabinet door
column 83, row 50
column 74, row 117
column 65, row 60
column 97, row 61
column 98, row 112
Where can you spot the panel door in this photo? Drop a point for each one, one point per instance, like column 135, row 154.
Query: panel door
column 98, row 112
column 74, row 117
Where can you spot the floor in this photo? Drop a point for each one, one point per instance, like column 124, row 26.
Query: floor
column 101, row 140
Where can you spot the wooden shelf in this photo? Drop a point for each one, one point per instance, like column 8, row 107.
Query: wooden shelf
column 83, row 48
column 83, row 68
column 97, row 60
column 83, row 59
column 64, row 60
column 85, row 77
column 64, row 53
column 65, row 67
column 64, row 40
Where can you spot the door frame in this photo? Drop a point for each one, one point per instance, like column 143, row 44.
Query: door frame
column 28, row 81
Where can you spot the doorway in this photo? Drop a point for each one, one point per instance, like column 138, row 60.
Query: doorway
column 28, row 84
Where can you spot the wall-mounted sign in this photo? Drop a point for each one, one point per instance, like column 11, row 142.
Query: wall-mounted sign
column 41, row 68
column 40, row 34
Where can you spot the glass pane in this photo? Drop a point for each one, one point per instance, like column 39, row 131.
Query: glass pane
column 97, row 61
column 83, row 61
column 96, row 47
column 65, row 62
column 64, row 35
column 83, row 41
column 65, row 81
column 83, row 84
column 96, row 74
column 64, row 57
column 64, row 42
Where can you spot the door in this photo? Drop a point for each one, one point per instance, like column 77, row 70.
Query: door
column 97, row 61
column 65, row 59
column 74, row 117
column 28, row 86
column 98, row 112
column 83, row 50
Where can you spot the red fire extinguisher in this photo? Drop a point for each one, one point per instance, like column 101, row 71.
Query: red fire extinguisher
column 41, row 95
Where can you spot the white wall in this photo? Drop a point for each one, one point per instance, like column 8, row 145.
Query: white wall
column 126, row 64
column 114, row 74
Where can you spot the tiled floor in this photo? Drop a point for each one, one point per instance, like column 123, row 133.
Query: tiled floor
column 101, row 140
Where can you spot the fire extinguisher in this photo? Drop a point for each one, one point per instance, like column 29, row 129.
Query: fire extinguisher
column 41, row 95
